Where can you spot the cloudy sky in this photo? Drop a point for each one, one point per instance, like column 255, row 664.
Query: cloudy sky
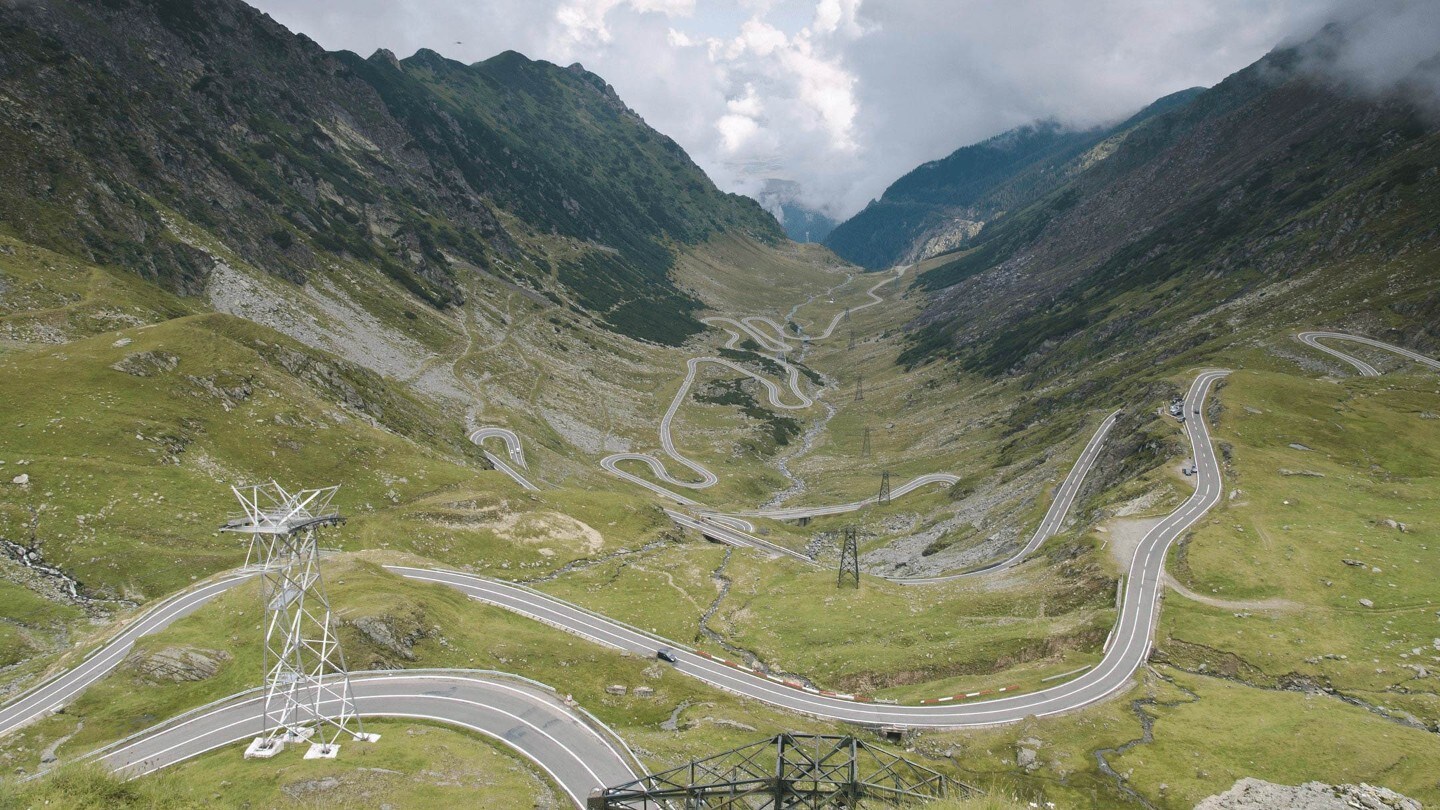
column 842, row 96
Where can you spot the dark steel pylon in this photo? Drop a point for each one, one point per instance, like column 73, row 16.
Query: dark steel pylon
column 884, row 498
column 859, row 387
column 849, row 559
column 791, row 771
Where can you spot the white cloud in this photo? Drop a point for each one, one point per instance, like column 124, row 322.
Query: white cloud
column 838, row 17
column 748, row 105
column 844, row 96
column 825, row 88
column 736, row 131
column 759, row 39
column 584, row 20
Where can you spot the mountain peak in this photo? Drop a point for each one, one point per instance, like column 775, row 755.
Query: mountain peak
column 386, row 56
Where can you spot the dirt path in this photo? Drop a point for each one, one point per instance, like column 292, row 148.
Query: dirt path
column 1275, row 605
column 1122, row 535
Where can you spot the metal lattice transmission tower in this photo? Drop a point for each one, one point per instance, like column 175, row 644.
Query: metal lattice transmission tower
column 307, row 687
column 883, row 498
column 859, row 387
column 849, row 559
column 865, row 443
column 791, row 771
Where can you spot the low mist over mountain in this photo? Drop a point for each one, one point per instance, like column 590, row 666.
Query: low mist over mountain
column 940, row 205
column 802, row 224
column 1056, row 247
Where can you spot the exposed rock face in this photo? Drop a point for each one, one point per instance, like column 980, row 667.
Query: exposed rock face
column 396, row 634
column 147, row 364
column 1257, row 794
column 176, row 664
column 211, row 114
column 1247, row 184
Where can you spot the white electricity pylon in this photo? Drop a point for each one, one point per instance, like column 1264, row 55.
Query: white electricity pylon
column 307, row 687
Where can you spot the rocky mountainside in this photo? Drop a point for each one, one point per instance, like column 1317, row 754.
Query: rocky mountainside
column 940, row 205
column 119, row 118
column 1277, row 198
column 1257, row 794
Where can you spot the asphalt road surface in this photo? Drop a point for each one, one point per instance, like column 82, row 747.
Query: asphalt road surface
column 532, row 721
column 1313, row 339
column 578, row 755
column 1130, row 643
column 63, row 688
column 513, row 448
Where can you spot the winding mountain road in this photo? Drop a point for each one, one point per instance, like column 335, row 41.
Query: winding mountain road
column 1130, row 645
column 733, row 527
column 755, row 328
column 533, row 721
column 469, row 701
column 513, row 448
column 1313, row 339
column 63, row 687
column 568, row 746
column 722, row 529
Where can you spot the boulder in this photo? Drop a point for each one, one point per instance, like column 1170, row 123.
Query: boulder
column 615, row 689
column 1257, row 794
column 396, row 634
column 1366, row 603
column 147, row 364
column 1027, row 754
column 176, row 664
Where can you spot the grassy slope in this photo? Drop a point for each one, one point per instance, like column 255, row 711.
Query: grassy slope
column 129, row 474
column 953, row 636
column 944, row 422
column 454, row 632
column 1286, row 535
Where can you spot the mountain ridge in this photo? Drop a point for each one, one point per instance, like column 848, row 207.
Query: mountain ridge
column 972, row 185
column 307, row 156
column 1230, row 193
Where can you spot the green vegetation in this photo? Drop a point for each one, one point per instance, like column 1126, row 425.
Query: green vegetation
column 1166, row 273
column 776, row 431
column 421, row 762
column 1299, row 515
column 1205, row 732
column 980, row 182
column 425, row 170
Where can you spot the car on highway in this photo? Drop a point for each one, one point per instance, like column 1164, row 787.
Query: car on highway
column 666, row 654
